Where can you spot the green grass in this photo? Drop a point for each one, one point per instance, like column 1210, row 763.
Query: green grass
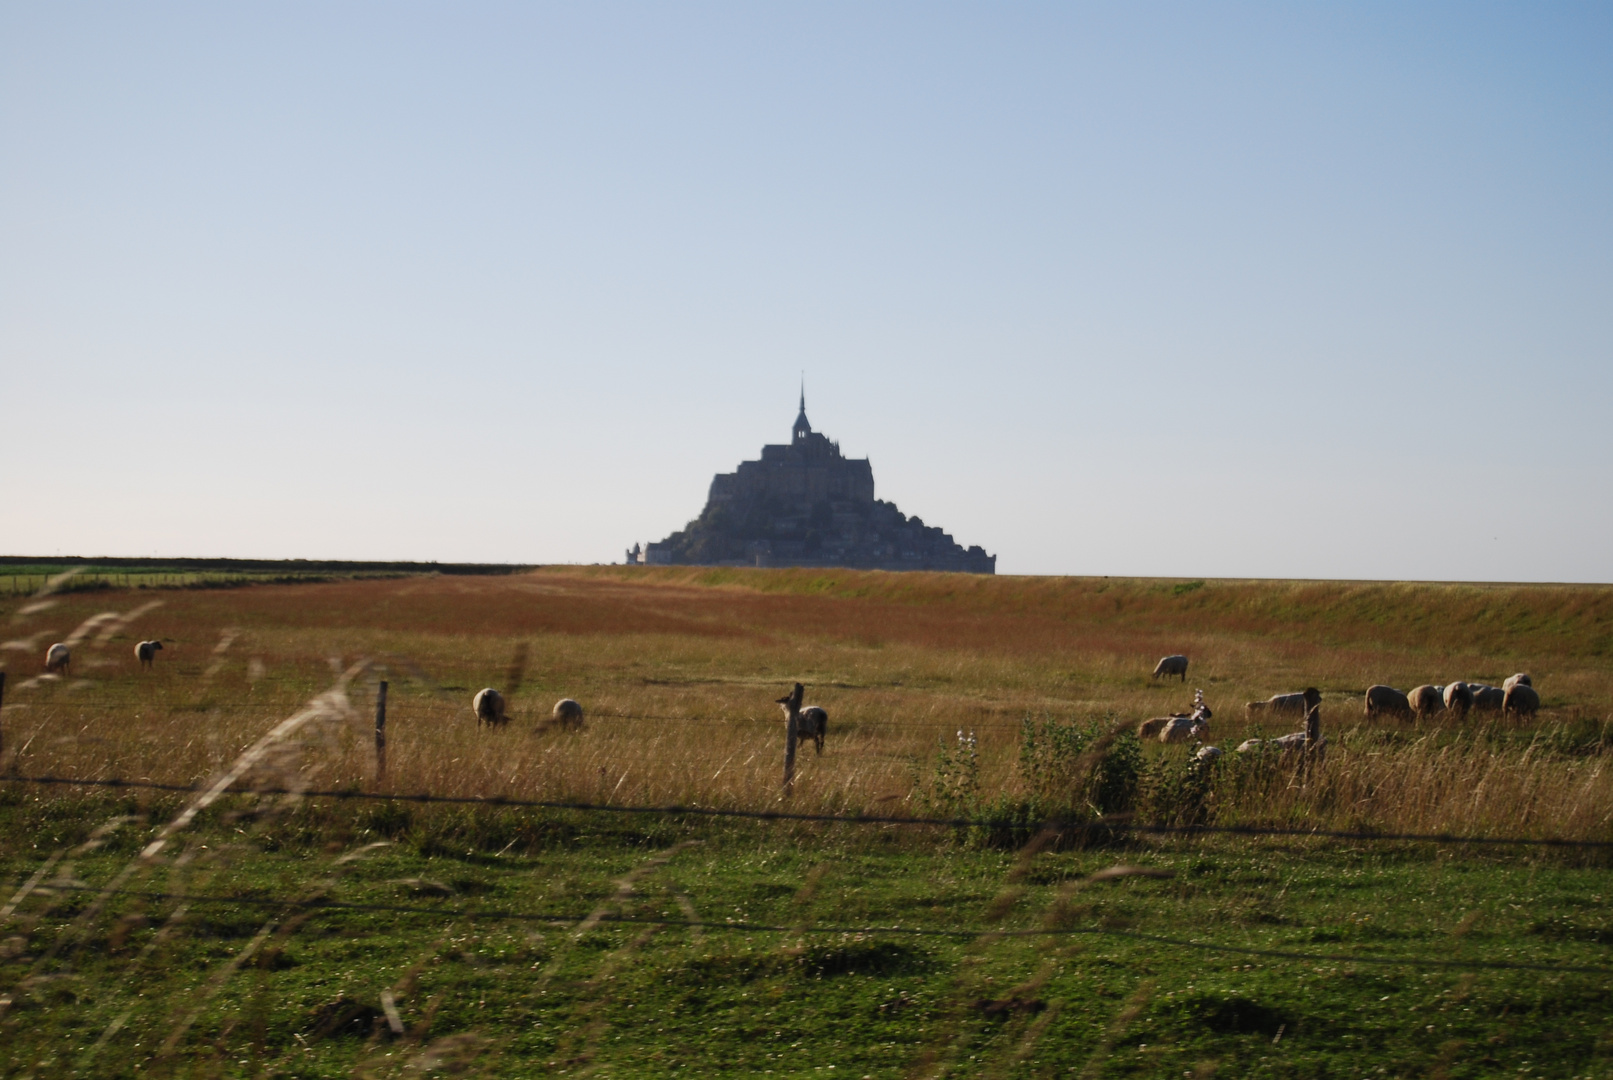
column 479, row 990
column 492, row 976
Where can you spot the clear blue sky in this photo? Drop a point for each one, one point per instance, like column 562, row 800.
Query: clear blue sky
column 1207, row 289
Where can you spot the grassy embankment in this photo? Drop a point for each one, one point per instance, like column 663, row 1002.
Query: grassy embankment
column 26, row 575
column 678, row 669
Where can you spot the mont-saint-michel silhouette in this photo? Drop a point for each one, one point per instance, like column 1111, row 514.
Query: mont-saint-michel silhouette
column 805, row 504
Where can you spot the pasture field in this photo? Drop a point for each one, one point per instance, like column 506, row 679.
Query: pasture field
column 275, row 934
column 26, row 574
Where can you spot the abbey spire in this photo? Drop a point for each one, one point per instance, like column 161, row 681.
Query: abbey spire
column 802, row 428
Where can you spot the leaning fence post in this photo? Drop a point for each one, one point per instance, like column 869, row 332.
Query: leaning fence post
column 792, row 704
column 380, row 730
column 2, row 711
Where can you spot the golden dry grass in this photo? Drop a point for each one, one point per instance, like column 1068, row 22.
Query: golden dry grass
column 678, row 669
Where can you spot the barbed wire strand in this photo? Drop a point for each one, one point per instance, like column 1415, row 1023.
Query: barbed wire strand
column 1054, row 824
column 438, row 708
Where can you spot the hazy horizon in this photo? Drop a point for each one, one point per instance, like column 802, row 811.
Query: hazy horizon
column 1239, row 291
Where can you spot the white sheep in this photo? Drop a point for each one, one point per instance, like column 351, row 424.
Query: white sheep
column 1521, row 699
column 1284, row 704
column 1183, row 728
column 1309, row 742
column 1458, row 699
column 1426, row 700
column 489, row 706
column 1514, row 680
column 1386, row 699
column 1171, row 665
column 567, row 713
column 146, row 652
column 1487, row 698
column 58, row 658
column 811, row 721
column 1180, row 727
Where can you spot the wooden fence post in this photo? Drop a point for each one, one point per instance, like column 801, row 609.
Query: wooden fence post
column 380, row 731
column 2, row 711
column 792, row 702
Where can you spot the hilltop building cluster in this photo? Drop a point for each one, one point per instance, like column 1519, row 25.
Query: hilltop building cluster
column 805, row 504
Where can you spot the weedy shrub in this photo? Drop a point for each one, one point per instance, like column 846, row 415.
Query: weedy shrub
column 952, row 788
column 1077, row 771
column 1178, row 790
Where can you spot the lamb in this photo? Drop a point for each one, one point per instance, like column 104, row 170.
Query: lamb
column 1178, row 727
column 1207, row 753
column 146, row 652
column 1426, row 700
column 811, row 721
column 567, row 713
column 1309, row 742
column 1386, row 699
column 1521, row 699
column 1514, row 680
column 1458, row 699
column 1487, row 698
column 489, row 706
column 1171, row 665
column 1287, row 704
column 57, row 658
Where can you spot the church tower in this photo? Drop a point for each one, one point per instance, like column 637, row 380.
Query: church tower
column 802, row 428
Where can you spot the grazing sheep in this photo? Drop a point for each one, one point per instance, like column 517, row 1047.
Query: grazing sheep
column 146, row 652
column 58, row 657
column 489, row 706
column 1178, row 727
column 1182, row 728
column 1521, row 699
column 1171, row 665
column 1514, row 680
column 567, row 713
column 1426, row 700
column 1287, row 704
column 1207, row 753
column 1309, row 742
column 811, row 721
column 1458, row 699
column 1487, row 698
column 1386, row 699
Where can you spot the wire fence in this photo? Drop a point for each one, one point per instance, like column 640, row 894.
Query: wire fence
column 1054, row 825
column 439, row 708
column 313, row 899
